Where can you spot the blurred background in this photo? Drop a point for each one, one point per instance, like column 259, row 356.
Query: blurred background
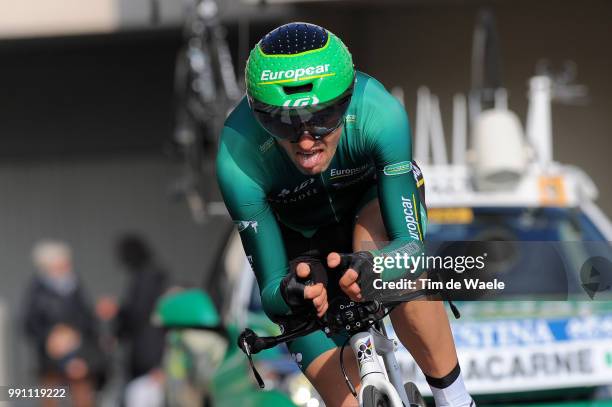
column 109, row 112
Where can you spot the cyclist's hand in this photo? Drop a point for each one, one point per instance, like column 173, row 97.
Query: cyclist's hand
column 317, row 292
column 299, row 290
column 353, row 265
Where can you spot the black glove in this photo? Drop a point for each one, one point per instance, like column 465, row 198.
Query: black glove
column 361, row 262
column 292, row 287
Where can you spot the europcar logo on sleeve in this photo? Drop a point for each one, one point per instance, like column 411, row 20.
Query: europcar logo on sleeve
column 411, row 218
column 398, row 168
column 245, row 224
column 269, row 77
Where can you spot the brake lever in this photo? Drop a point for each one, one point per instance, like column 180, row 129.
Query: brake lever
column 251, row 343
column 243, row 343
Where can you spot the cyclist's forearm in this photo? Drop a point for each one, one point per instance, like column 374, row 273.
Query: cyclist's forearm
column 272, row 300
column 265, row 250
column 404, row 219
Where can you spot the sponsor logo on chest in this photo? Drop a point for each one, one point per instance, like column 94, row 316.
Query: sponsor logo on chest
column 302, row 191
column 336, row 173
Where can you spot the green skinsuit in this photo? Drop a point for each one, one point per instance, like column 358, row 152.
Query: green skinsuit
column 262, row 187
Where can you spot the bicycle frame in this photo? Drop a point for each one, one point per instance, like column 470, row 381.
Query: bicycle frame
column 367, row 346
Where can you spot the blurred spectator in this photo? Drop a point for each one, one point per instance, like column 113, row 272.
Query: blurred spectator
column 145, row 342
column 62, row 326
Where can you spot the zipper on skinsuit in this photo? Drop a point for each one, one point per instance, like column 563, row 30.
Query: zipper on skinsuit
column 329, row 198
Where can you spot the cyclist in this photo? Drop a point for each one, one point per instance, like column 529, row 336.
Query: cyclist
column 316, row 161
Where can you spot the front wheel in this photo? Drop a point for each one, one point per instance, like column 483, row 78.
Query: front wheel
column 374, row 398
column 414, row 395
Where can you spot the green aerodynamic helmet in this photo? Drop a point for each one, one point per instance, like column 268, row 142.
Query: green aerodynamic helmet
column 299, row 79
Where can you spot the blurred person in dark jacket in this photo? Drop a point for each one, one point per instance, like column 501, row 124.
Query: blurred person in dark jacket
column 145, row 342
column 62, row 326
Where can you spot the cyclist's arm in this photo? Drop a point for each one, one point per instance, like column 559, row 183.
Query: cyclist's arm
column 246, row 202
column 387, row 139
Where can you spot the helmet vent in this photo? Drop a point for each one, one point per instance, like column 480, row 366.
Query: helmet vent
column 294, row 38
column 290, row 90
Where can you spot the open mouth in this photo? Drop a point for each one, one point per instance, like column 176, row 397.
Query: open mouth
column 309, row 159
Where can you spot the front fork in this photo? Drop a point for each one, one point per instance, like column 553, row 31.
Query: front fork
column 367, row 346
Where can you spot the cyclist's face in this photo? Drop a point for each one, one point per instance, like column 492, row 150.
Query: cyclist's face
column 312, row 156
